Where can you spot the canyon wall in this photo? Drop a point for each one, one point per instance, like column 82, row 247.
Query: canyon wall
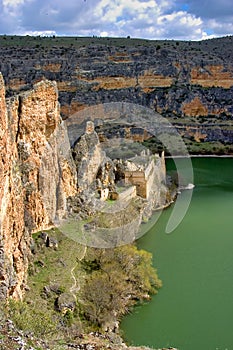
column 190, row 83
column 37, row 175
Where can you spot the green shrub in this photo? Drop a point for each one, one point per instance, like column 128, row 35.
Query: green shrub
column 28, row 318
column 125, row 276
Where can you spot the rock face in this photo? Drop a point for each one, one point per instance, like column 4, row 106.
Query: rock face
column 88, row 157
column 37, row 175
column 188, row 82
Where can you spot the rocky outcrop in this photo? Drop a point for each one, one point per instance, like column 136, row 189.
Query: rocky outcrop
column 194, row 108
column 88, row 156
column 114, row 194
column 213, row 75
column 37, row 175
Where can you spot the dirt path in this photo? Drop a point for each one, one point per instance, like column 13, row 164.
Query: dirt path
column 75, row 287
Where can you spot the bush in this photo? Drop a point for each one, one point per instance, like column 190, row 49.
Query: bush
column 125, row 276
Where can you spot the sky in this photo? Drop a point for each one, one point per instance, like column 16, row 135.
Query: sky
column 150, row 19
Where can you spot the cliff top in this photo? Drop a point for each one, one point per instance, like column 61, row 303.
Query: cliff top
column 77, row 41
column 218, row 47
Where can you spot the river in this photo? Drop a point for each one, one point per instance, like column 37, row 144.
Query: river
column 194, row 308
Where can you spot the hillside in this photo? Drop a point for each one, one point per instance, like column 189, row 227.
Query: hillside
column 190, row 83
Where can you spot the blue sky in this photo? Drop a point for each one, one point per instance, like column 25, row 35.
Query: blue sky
column 152, row 19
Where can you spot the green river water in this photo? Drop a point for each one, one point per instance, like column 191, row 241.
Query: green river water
column 194, row 308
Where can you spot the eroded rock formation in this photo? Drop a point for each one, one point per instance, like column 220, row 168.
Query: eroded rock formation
column 115, row 194
column 88, row 155
column 37, row 175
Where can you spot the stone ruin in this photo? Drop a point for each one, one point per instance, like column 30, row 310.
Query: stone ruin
column 114, row 178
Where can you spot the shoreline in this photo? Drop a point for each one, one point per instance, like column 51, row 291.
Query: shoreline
column 200, row 156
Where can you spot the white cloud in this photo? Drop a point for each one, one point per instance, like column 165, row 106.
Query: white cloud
column 222, row 28
column 12, row 3
column 180, row 18
column 150, row 19
column 41, row 33
column 153, row 19
column 104, row 34
column 112, row 10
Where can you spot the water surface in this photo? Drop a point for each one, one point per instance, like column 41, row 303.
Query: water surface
column 194, row 308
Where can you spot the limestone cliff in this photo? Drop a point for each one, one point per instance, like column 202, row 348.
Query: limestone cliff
column 191, row 83
column 37, row 175
column 88, row 156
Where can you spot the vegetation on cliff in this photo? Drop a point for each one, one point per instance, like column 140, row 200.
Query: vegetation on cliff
column 74, row 290
column 194, row 147
column 119, row 277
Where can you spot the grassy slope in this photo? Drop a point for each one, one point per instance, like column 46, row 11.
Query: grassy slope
column 216, row 47
column 81, row 275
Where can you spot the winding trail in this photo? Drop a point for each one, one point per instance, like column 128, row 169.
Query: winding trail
column 75, row 287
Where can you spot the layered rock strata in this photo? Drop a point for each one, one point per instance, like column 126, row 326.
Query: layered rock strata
column 188, row 82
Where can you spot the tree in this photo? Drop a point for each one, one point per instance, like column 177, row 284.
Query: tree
column 124, row 276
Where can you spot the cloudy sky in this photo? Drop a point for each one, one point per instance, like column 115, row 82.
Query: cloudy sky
column 152, row 19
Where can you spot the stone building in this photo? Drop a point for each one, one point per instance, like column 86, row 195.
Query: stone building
column 141, row 172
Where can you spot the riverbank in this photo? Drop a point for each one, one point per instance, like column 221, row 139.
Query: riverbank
column 13, row 338
column 200, row 156
column 200, row 148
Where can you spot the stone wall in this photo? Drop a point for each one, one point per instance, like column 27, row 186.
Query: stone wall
column 137, row 178
column 127, row 194
column 37, row 175
column 144, row 179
